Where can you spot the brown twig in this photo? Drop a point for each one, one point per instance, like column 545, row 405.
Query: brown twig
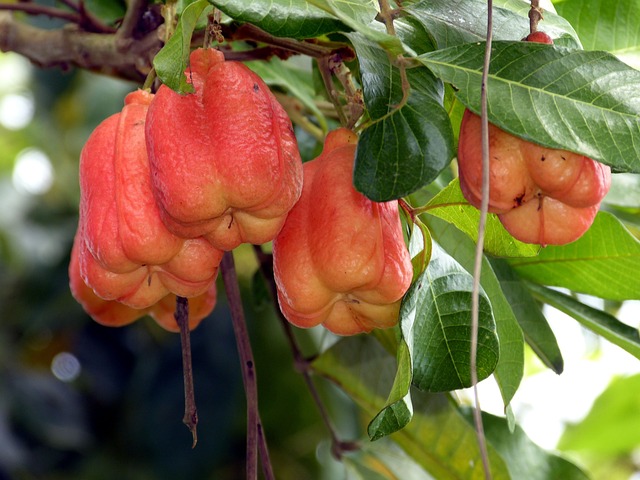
column 302, row 364
column 535, row 15
column 255, row 437
column 126, row 32
column 79, row 15
column 190, row 418
column 479, row 253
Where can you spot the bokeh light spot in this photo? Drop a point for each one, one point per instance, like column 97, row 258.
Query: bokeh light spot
column 32, row 172
column 65, row 366
column 16, row 110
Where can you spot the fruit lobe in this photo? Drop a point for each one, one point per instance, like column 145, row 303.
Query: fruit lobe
column 541, row 195
column 123, row 251
column 224, row 160
column 340, row 259
column 112, row 313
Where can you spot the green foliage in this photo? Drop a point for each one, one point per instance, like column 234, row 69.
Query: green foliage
column 576, row 100
column 412, row 85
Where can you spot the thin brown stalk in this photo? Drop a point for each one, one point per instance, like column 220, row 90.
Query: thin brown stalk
column 477, row 269
column 256, row 440
column 190, row 418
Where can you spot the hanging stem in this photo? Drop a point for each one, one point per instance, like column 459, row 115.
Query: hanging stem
column 255, row 436
column 190, row 418
column 535, row 15
column 477, row 269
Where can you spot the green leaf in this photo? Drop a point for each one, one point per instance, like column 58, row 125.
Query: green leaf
column 525, row 459
column 405, row 148
column 604, row 262
column 297, row 81
column 625, row 190
column 109, row 11
column 282, row 18
column 171, row 62
column 585, row 102
column 435, row 318
column 610, row 25
column 398, row 410
column 612, row 426
column 383, row 460
column 438, row 438
column 360, row 16
column 535, row 327
column 451, row 206
column 510, row 368
column 600, row 322
column 454, row 22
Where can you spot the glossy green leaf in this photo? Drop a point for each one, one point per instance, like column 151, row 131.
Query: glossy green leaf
column 600, row 322
column 451, row 206
column 298, row 82
column 536, row 329
column 435, row 318
column 282, row 18
column 454, row 22
column 360, row 16
column 525, row 459
column 604, row 262
column 405, row 148
column 612, row 426
column 510, row 367
column 610, row 25
column 586, row 102
column 171, row 62
column 438, row 438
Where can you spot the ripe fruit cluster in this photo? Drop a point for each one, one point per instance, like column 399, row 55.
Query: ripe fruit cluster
column 541, row 195
column 172, row 181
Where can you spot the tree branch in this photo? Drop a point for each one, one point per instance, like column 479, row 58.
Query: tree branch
column 71, row 46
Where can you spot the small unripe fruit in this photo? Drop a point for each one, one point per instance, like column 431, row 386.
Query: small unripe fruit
column 538, row 37
column 340, row 259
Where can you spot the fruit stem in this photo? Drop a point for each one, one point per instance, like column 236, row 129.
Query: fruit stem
column 190, row 418
column 256, row 441
column 535, row 15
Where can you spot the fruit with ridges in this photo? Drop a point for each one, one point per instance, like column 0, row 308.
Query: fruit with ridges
column 122, row 249
column 224, row 160
column 340, row 259
column 112, row 313
column 541, row 195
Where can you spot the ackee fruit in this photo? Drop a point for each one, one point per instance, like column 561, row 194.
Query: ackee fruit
column 340, row 259
column 224, row 160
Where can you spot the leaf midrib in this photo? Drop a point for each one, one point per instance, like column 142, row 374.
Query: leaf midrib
column 512, row 84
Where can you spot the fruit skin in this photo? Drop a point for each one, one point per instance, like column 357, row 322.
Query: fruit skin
column 112, row 313
column 541, row 195
column 340, row 259
column 538, row 37
column 224, row 160
column 124, row 253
